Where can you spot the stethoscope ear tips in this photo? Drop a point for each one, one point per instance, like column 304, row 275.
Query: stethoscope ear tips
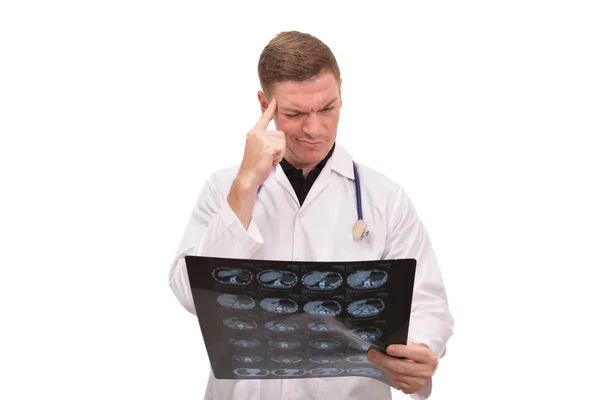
column 361, row 230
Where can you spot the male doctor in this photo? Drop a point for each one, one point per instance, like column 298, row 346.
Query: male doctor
column 293, row 197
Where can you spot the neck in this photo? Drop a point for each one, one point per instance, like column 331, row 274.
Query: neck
column 306, row 168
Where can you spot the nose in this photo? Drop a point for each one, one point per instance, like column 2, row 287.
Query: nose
column 312, row 124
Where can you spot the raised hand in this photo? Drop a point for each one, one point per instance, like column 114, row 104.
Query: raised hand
column 264, row 150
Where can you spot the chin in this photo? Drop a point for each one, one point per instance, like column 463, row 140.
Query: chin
column 314, row 155
column 307, row 154
column 321, row 148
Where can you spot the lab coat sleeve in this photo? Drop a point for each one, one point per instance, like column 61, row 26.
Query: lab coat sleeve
column 213, row 230
column 431, row 322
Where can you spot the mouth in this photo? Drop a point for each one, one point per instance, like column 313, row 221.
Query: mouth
column 305, row 142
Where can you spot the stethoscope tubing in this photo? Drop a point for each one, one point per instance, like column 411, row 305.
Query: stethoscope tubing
column 358, row 194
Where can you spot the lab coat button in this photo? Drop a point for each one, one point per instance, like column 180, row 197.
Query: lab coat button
column 300, row 215
column 297, row 259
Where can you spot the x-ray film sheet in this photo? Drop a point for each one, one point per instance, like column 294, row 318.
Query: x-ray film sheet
column 286, row 320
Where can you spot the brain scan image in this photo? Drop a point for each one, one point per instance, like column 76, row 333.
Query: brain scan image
column 281, row 326
column 288, row 372
column 370, row 333
column 279, row 306
column 240, row 324
column 286, row 359
column 359, row 346
column 364, row 371
column 288, row 344
column 247, row 358
column 277, row 319
column 323, row 307
column 244, row 343
column 320, row 327
column 325, row 371
column 367, row 280
column 366, row 308
column 236, row 302
column 277, row 279
column 325, row 360
column 232, row 276
column 251, row 372
column 324, row 344
column 322, row 281
column 358, row 359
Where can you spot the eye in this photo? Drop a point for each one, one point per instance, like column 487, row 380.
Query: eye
column 291, row 116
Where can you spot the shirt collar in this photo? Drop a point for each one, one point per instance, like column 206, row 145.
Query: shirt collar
column 338, row 159
column 290, row 169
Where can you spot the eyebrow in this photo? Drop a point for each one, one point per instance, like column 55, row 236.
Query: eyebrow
column 297, row 110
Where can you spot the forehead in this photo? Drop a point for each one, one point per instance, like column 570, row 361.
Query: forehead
column 309, row 95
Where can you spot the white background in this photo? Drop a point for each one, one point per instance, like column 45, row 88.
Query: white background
column 113, row 113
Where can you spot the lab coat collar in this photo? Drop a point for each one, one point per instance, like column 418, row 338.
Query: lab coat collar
column 340, row 162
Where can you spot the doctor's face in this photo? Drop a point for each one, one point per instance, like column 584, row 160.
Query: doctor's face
column 308, row 113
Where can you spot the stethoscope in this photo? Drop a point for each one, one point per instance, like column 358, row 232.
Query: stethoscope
column 360, row 229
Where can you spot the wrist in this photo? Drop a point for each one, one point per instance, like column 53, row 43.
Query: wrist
column 241, row 199
column 245, row 184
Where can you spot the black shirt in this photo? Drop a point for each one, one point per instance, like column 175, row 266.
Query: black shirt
column 300, row 184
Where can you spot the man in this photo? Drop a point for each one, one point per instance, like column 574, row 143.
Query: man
column 293, row 198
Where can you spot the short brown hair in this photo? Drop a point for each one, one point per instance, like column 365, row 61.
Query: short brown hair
column 294, row 56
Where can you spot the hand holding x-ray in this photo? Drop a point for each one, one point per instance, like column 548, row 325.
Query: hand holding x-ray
column 409, row 367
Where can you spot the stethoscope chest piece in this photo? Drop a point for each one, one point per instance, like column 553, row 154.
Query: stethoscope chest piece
column 361, row 230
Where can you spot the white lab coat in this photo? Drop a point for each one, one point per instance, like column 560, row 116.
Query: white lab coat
column 320, row 230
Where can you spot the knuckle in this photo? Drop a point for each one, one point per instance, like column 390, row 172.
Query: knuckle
column 403, row 386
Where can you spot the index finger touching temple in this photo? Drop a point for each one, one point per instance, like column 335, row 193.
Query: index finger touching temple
column 264, row 120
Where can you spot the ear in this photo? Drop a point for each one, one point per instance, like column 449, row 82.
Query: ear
column 263, row 101
column 340, row 86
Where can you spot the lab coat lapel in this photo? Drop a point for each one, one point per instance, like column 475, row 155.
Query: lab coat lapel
column 285, row 182
column 341, row 163
column 317, row 187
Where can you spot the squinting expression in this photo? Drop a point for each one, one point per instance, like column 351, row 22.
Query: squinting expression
column 308, row 114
